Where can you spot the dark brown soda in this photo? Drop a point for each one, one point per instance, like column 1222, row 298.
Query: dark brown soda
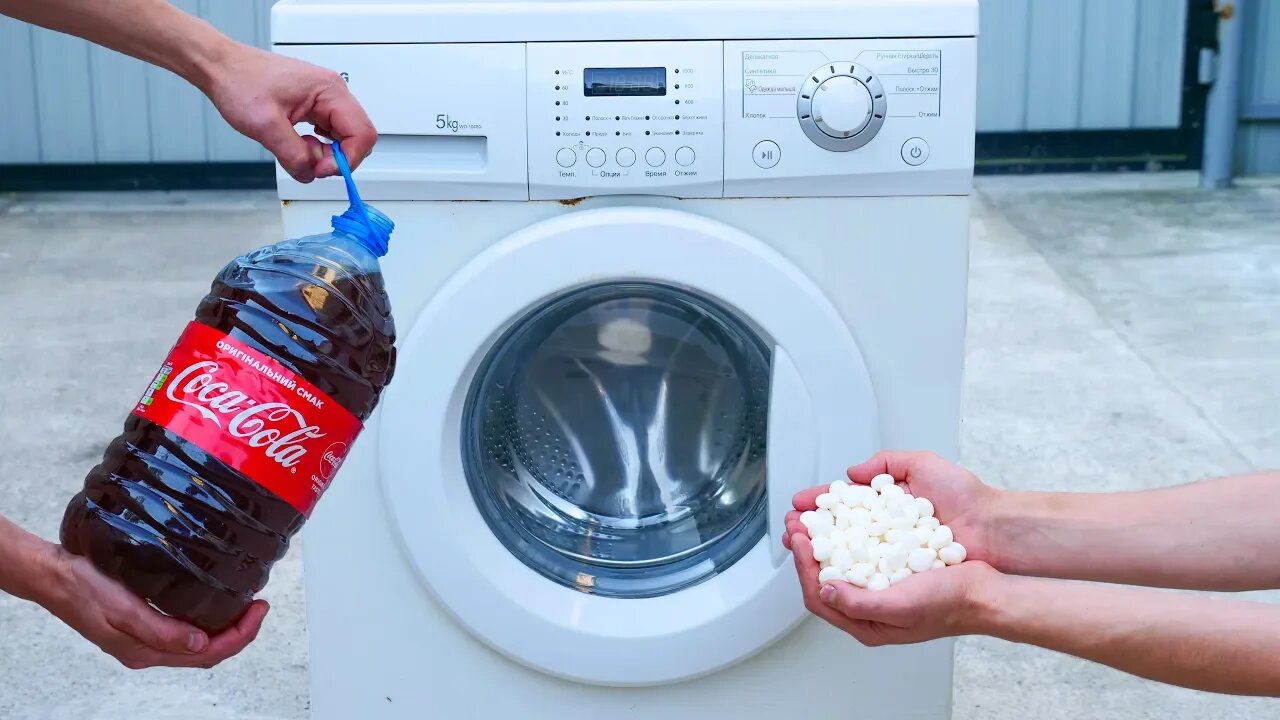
column 178, row 526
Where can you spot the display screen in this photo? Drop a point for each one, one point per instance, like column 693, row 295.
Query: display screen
column 624, row 82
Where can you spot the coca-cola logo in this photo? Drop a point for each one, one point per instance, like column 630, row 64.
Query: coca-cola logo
column 274, row 426
column 332, row 460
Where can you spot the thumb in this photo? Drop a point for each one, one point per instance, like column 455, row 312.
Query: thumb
column 851, row 602
column 298, row 157
column 162, row 633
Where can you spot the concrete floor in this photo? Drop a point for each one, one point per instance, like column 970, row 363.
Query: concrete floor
column 1124, row 333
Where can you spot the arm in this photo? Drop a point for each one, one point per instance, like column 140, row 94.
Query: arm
column 1197, row 642
column 1214, row 535
column 260, row 94
column 1192, row 641
column 107, row 614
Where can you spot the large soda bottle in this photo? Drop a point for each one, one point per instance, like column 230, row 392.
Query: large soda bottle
column 245, row 424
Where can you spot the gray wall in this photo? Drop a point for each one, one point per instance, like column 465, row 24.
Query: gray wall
column 1259, row 148
column 1044, row 65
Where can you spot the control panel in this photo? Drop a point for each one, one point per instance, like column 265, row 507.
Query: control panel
column 610, row 118
column 687, row 119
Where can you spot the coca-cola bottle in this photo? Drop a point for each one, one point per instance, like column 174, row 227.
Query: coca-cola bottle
column 245, row 424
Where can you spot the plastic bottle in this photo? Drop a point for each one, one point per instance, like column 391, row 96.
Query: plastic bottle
column 246, row 423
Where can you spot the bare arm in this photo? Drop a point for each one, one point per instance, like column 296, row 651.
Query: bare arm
column 107, row 614
column 1213, row 535
column 260, row 94
column 1194, row 641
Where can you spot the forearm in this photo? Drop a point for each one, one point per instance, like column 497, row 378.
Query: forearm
column 1212, row 535
column 28, row 565
column 150, row 30
column 1193, row 641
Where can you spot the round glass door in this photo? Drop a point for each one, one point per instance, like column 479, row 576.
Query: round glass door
column 614, row 438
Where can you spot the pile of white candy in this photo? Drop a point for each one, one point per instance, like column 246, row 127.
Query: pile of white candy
column 876, row 536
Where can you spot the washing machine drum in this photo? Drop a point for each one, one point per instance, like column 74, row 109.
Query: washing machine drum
column 614, row 439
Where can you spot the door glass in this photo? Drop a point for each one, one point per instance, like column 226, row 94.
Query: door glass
column 614, row 439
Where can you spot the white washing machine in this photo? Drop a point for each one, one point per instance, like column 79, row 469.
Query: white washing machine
column 658, row 265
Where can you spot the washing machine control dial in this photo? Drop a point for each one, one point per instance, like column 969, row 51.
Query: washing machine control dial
column 841, row 106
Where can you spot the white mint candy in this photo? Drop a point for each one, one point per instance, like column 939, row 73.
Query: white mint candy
column 921, row 559
column 894, row 504
column 859, row 552
column 922, row 537
column 837, row 538
column 911, row 512
column 808, row 518
column 899, row 576
column 953, row 554
column 873, row 502
column 866, row 570
column 844, row 512
column 894, row 560
column 877, row 528
column 822, row 548
column 880, row 515
column 848, row 495
column 895, row 536
column 881, row 550
column 878, row 582
column 855, row 580
column 901, row 523
column 827, row 500
column 923, row 506
column 881, row 481
column 893, row 491
column 859, row 517
column 929, row 523
column 836, row 486
column 841, row 559
column 937, row 564
column 942, row 537
column 829, row 574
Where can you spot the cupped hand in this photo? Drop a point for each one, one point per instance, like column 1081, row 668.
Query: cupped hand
column 934, row 604
column 128, row 629
column 960, row 500
column 263, row 95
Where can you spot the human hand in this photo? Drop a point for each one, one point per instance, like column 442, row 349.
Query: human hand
column 128, row 629
column 263, row 95
column 926, row 606
column 960, row 500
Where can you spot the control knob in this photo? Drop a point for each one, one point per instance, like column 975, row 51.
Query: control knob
column 841, row 106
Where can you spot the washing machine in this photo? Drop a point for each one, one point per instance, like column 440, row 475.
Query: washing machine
column 657, row 266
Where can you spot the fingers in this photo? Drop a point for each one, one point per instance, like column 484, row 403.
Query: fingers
column 807, row 570
column 297, row 156
column 347, row 121
column 158, row 632
column 231, row 641
column 808, row 499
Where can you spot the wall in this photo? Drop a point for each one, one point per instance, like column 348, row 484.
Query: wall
column 67, row 101
column 1044, row 65
column 1258, row 149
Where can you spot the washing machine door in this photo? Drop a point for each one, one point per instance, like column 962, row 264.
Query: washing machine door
column 595, row 432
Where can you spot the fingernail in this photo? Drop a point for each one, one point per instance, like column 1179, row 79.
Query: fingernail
column 196, row 642
column 827, row 593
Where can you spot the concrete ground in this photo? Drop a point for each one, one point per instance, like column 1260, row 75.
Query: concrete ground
column 1124, row 333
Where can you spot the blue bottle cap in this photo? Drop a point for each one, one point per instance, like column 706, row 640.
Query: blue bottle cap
column 368, row 226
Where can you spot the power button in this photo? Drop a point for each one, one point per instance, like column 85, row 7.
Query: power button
column 915, row 151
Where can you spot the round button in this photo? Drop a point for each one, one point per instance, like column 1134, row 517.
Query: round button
column 626, row 157
column 842, row 106
column 595, row 157
column 685, row 156
column 915, row 151
column 766, row 154
column 655, row 156
column 566, row 157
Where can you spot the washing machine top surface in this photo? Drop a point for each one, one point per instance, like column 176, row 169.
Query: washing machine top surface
column 435, row 21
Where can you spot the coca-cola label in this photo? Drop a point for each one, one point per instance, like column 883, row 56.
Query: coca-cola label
column 252, row 413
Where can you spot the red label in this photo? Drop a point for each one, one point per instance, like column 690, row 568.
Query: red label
column 252, row 413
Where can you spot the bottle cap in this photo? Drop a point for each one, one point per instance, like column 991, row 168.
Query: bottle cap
column 368, row 226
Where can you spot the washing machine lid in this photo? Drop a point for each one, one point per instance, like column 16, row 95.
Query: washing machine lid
column 821, row 417
column 458, row 21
